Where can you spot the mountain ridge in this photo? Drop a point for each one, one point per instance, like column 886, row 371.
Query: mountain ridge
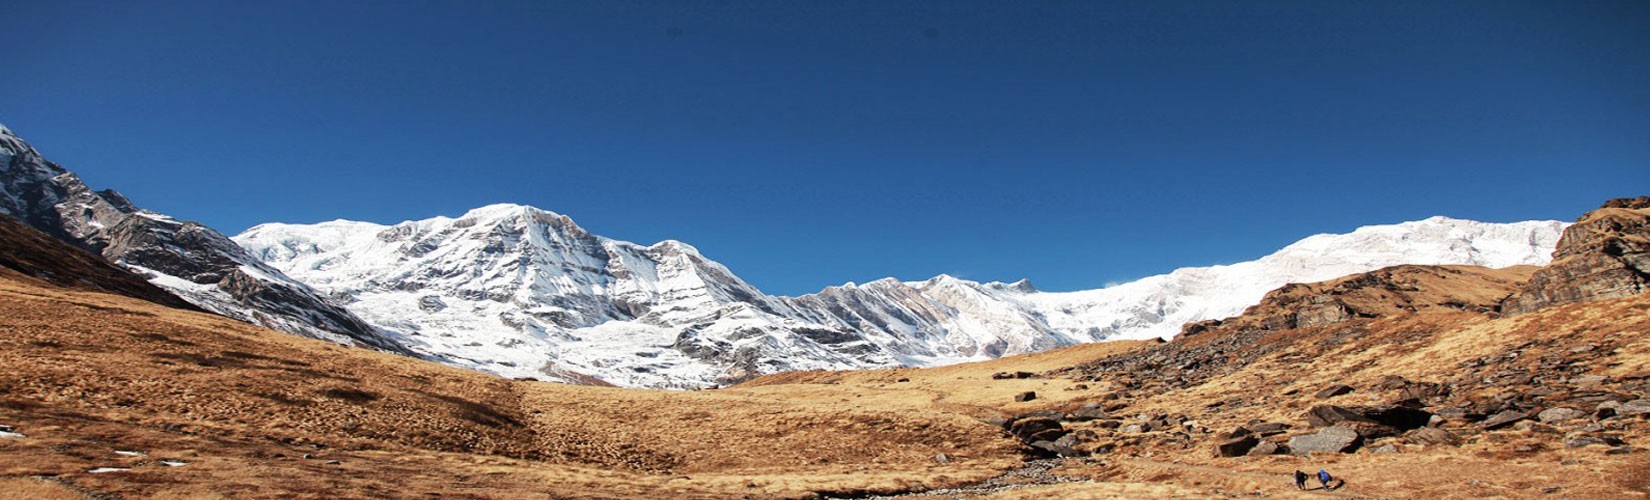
column 554, row 297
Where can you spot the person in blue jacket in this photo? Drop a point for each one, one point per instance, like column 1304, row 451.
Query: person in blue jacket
column 1323, row 478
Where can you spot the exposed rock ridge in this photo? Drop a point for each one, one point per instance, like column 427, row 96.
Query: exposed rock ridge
column 1604, row 255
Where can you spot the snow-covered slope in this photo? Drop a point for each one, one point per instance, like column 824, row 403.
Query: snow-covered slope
column 186, row 258
column 523, row 292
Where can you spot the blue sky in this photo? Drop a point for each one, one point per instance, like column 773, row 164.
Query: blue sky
column 805, row 144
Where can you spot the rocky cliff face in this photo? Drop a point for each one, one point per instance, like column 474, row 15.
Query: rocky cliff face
column 1384, row 292
column 29, row 252
column 1604, row 255
column 186, row 258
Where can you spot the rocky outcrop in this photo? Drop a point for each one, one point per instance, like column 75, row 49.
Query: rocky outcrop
column 30, row 252
column 188, row 259
column 1380, row 293
column 1604, row 255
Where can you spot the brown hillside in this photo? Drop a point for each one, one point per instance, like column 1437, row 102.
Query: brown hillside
column 256, row 413
column 27, row 252
column 1403, row 382
column 1385, row 292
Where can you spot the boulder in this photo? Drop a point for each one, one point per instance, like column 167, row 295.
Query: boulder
column 1236, row 446
column 1584, row 439
column 1558, row 415
column 1385, row 448
column 1265, row 448
column 1332, row 391
column 1267, row 428
column 1025, row 396
column 1087, row 413
column 1032, row 429
column 1051, row 448
column 1432, row 436
column 1504, row 419
column 1397, row 417
column 1328, row 439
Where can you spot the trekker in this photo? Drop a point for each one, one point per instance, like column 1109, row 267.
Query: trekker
column 1324, row 479
column 1300, row 480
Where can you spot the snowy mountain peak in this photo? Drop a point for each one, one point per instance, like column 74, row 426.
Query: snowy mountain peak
column 524, row 292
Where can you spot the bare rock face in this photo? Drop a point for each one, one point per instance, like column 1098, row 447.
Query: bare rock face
column 1605, row 255
column 1384, row 292
column 192, row 261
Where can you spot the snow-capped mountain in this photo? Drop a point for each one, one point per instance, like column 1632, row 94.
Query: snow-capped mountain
column 186, row 258
column 523, row 292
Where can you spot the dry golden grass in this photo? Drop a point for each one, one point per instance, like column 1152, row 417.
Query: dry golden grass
column 261, row 414
column 86, row 374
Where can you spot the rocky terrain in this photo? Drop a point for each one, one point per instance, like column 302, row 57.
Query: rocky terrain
column 29, row 252
column 1405, row 382
column 1605, row 255
column 187, row 259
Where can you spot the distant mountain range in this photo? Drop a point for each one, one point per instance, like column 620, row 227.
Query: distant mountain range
column 523, row 292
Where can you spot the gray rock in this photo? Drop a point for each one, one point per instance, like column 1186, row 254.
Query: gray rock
column 1504, row 419
column 1329, row 439
column 1558, row 415
column 1236, row 446
column 1432, row 436
column 1332, row 391
column 1385, row 448
column 1265, row 448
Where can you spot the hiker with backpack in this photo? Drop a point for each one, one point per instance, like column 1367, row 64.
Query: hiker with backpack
column 1300, row 480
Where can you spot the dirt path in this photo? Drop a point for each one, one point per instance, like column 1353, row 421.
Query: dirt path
column 1033, row 473
column 1235, row 481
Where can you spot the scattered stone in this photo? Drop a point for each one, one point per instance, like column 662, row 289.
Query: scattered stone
column 942, row 458
column 1267, row 428
column 903, row 380
column 1328, row 439
column 1385, row 448
column 1236, row 446
column 1133, row 429
column 1029, row 430
column 1078, row 387
column 1025, row 396
column 1086, row 413
column 105, row 470
column 127, row 453
column 1557, row 415
column 1265, row 448
column 1432, row 436
column 1014, row 375
column 173, row 463
column 1332, row 391
column 1582, row 440
column 1551, row 490
column 1620, row 450
column 1504, row 419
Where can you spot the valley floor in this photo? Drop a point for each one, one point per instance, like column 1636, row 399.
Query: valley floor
column 110, row 397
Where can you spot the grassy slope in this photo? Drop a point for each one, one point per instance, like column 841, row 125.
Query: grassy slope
column 85, row 374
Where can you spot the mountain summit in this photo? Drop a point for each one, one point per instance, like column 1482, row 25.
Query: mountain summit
column 525, row 292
